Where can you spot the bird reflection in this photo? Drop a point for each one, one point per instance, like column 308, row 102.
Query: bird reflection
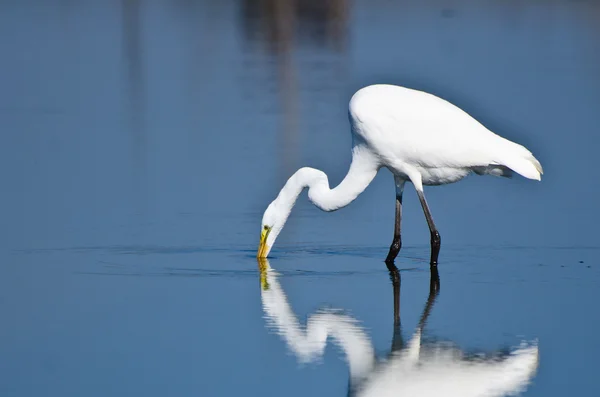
column 413, row 368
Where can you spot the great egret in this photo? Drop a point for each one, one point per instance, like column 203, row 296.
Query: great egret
column 416, row 368
column 420, row 138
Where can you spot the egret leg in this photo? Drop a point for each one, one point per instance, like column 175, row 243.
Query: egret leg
column 397, row 241
column 435, row 235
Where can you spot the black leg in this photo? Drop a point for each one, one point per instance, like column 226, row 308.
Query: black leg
column 435, row 235
column 397, row 242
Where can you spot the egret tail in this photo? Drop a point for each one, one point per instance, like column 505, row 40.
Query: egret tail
column 521, row 161
column 528, row 166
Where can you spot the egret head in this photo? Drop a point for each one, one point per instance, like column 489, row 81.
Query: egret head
column 273, row 220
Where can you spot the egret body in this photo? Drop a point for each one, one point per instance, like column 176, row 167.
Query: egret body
column 420, row 138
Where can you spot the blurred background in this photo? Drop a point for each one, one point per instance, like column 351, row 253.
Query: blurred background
column 146, row 138
column 158, row 110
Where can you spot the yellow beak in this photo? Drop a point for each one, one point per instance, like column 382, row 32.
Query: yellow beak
column 263, row 248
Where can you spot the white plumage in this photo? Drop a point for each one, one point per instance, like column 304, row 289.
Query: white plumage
column 412, row 132
column 420, row 138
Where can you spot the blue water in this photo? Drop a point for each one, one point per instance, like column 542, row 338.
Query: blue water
column 140, row 143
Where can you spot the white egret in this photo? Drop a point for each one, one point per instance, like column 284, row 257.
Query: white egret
column 417, row 368
column 420, row 138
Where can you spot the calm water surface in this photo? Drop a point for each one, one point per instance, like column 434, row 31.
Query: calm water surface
column 140, row 143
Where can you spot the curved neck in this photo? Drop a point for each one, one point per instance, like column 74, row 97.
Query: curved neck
column 362, row 170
